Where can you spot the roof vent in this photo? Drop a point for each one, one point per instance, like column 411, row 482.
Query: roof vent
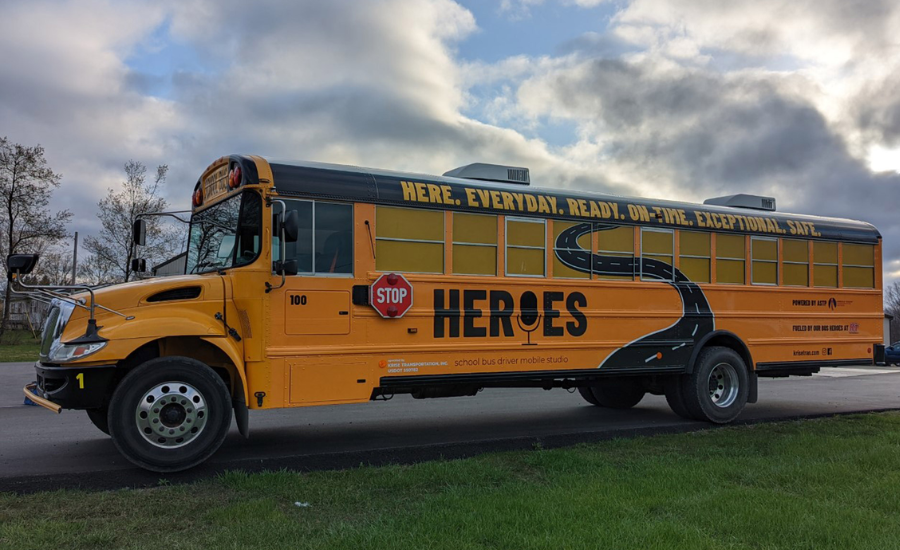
column 491, row 172
column 754, row 202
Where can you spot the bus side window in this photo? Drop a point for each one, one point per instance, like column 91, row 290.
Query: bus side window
column 795, row 257
column 325, row 241
column 858, row 265
column 409, row 240
column 764, row 261
column 730, row 258
column 333, row 238
column 825, row 264
column 525, row 244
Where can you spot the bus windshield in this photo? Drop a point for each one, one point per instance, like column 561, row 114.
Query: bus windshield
column 226, row 234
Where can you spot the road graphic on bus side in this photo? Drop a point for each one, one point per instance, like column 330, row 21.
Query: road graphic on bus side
column 670, row 346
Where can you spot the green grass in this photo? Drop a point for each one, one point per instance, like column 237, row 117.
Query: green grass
column 19, row 345
column 816, row 484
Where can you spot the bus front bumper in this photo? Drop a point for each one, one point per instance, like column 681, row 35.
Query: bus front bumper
column 70, row 387
column 30, row 389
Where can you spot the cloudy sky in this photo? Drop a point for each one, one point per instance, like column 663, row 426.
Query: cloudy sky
column 798, row 99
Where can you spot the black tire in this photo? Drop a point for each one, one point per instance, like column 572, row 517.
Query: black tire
column 618, row 393
column 187, row 427
column 718, row 388
column 675, row 397
column 588, row 395
column 99, row 418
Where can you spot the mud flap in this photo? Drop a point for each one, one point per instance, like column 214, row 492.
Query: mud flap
column 241, row 415
column 754, row 387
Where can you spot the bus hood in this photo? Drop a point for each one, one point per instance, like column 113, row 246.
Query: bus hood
column 124, row 297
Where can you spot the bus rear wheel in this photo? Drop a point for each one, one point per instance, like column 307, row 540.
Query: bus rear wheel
column 170, row 414
column 718, row 387
column 588, row 395
column 615, row 393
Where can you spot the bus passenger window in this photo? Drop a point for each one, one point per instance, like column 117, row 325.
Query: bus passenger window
column 659, row 245
column 474, row 244
column 795, row 258
column 616, row 245
column 694, row 255
column 825, row 264
column 730, row 260
column 764, row 260
column 410, row 240
column 525, row 245
column 858, row 265
column 566, row 252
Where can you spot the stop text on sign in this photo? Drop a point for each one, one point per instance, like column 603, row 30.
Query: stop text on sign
column 390, row 295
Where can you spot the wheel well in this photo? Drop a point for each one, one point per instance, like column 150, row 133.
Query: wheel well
column 724, row 339
column 184, row 346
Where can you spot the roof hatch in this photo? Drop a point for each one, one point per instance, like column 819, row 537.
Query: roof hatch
column 491, row 172
column 754, row 202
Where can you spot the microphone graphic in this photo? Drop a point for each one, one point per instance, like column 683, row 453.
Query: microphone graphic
column 528, row 315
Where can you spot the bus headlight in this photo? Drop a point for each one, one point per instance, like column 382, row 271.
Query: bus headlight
column 70, row 352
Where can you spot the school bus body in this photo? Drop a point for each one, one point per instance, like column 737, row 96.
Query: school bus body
column 316, row 339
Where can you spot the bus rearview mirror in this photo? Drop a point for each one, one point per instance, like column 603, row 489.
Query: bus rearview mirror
column 291, row 226
column 21, row 264
column 139, row 265
column 139, row 231
column 288, row 267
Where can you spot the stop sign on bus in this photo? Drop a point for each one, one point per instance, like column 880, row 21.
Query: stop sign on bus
column 391, row 295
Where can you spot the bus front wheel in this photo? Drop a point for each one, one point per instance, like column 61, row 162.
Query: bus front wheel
column 170, row 414
column 99, row 418
column 718, row 387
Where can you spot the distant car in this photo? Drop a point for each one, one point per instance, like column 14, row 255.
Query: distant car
column 892, row 354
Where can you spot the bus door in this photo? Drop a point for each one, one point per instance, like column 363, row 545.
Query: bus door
column 312, row 314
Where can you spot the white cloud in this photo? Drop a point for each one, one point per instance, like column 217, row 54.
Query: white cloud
column 791, row 99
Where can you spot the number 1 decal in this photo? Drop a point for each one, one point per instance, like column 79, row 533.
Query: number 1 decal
column 80, row 378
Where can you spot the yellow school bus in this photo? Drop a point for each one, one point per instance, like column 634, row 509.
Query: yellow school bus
column 314, row 284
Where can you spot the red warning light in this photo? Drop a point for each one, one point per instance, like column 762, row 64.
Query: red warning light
column 235, row 177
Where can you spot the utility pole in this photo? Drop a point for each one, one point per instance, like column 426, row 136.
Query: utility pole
column 75, row 259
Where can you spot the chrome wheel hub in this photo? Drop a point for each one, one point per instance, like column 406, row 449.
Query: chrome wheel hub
column 171, row 414
column 723, row 385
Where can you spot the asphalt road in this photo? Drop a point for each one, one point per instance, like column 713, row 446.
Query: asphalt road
column 42, row 451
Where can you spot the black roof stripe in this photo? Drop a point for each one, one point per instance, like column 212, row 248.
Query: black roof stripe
column 338, row 182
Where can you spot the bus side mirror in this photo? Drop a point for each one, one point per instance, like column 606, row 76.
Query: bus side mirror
column 291, row 226
column 139, row 232
column 139, row 265
column 20, row 264
column 288, row 267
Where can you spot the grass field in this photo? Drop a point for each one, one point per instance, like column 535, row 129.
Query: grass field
column 19, row 345
column 815, row 484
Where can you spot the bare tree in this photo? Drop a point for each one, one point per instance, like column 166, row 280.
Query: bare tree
column 94, row 270
column 26, row 185
column 55, row 267
column 112, row 250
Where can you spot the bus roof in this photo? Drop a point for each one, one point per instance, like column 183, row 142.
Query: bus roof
column 340, row 182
